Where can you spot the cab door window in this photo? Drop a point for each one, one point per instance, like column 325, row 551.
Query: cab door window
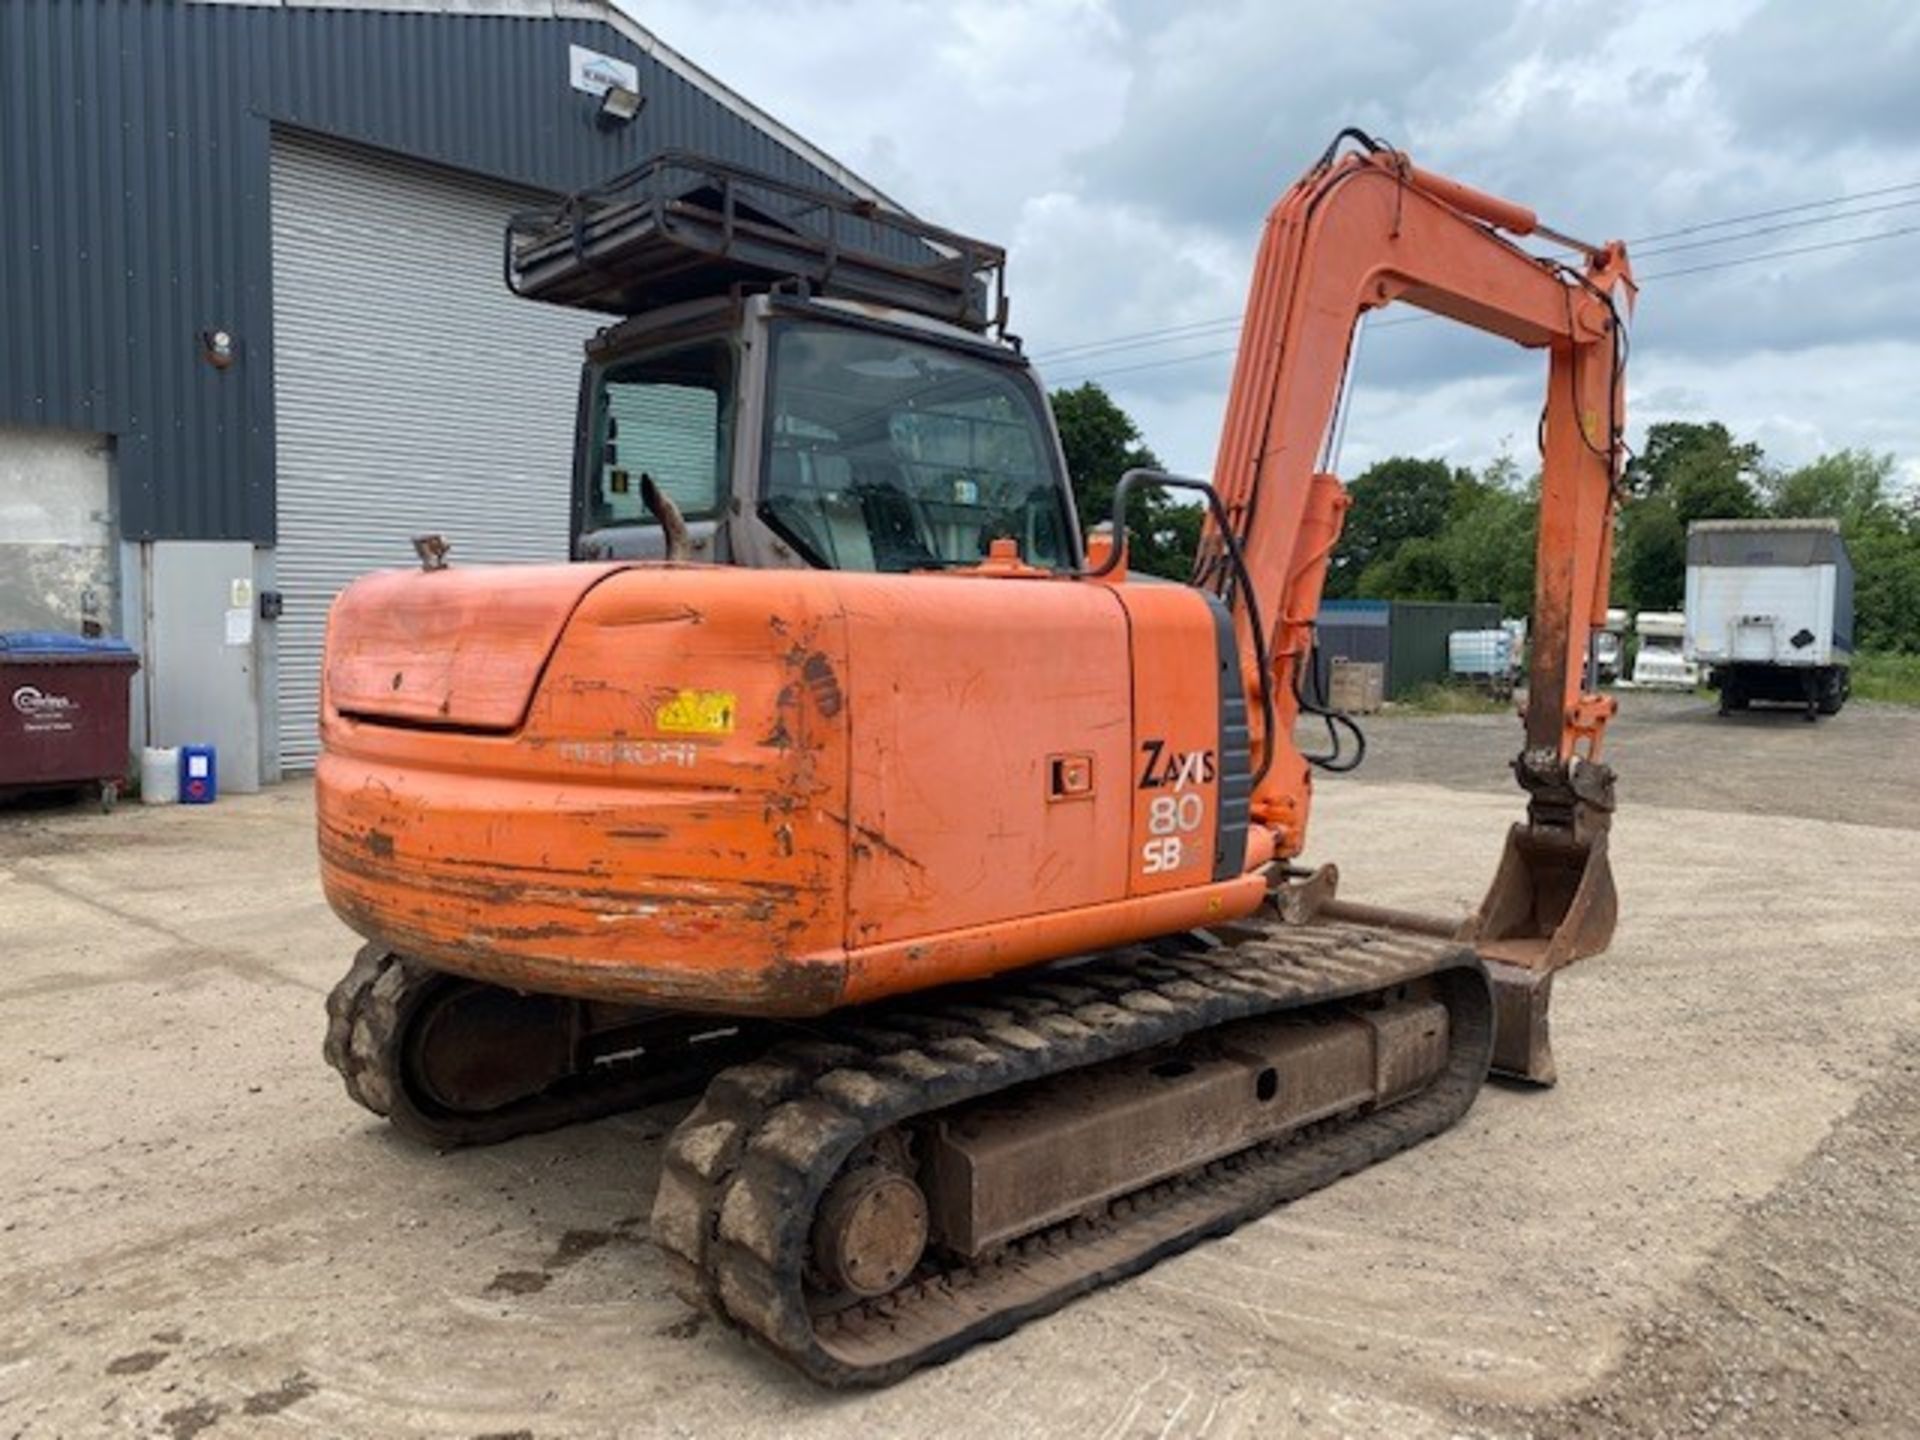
column 667, row 415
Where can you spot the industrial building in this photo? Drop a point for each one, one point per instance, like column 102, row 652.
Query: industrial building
column 256, row 335
column 1408, row 638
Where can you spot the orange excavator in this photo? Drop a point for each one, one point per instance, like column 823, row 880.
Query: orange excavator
column 955, row 869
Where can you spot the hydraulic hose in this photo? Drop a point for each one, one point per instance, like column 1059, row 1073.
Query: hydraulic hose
column 1234, row 557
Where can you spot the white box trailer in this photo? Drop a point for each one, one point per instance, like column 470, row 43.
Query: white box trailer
column 1770, row 611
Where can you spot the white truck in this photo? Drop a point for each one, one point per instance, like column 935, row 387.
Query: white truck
column 1661, row 662
column 1770, row 611
column 1607, row 645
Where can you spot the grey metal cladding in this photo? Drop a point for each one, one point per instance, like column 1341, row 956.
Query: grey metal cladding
column 134, row 147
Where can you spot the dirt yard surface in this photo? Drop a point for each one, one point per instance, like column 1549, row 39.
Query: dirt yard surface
column 1676, row 750
column 1707, row 1227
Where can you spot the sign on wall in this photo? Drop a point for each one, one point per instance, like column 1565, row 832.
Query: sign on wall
column 596, row 74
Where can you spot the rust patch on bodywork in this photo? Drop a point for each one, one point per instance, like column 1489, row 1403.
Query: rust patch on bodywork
column 545, row 872
column 793, row 988
column 781, row 987
column 679, row 614
column 779, row 737
column 822, row 684
column 449, row 912
column 741, row 897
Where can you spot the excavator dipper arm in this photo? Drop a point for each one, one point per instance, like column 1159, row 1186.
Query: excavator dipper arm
column 1357, row 232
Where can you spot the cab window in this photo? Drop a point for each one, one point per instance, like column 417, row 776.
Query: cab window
column 884, row 453
column 666, row 414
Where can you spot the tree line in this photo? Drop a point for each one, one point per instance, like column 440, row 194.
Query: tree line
column 1422, row 530
column 1425, row 530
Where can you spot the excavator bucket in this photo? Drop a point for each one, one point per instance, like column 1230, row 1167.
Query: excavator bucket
column 1552, row 901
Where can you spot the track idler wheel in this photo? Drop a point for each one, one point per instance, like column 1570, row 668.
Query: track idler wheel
column 872, row 1225
column 871, row 1232
column 445, row 1060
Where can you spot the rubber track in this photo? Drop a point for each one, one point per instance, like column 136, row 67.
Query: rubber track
column 745, row 1171
column 368, row 1014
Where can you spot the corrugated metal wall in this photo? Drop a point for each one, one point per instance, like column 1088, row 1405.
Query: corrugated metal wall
column 416, row 394
column 1409, row 635
column 134, row 145
column 1351, row 630
column 1417, row 644
column 671, row 432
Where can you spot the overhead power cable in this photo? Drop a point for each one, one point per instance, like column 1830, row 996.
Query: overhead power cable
column 1127, row 342
column 1695, row 229
column 1197, row 329
column 1784, row 225
column 1780, row 254
column 1792, row 250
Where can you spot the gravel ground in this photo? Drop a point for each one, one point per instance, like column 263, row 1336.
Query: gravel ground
column 1706, row 1227
column 1807, row 1321
column 1676, row 750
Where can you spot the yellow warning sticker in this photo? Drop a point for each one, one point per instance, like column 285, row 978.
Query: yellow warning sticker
column 698, row 712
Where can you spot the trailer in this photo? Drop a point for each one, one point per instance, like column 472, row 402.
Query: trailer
column 1770, row 612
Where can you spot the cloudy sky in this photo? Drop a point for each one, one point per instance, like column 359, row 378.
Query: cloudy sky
column 1126, row 153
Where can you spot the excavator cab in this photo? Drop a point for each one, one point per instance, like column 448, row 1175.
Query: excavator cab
column 803, row 380
column 790, row 431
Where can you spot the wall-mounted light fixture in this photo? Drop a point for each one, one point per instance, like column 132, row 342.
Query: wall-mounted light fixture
column 619, row 106
column 217, row 346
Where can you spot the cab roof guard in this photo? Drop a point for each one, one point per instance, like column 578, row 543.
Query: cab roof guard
column 682, row 226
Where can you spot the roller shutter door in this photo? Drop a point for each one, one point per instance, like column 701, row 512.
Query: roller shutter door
column 412, row 393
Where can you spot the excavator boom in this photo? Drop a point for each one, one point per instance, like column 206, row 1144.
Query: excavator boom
column 1352, row 236
column 1360, row 231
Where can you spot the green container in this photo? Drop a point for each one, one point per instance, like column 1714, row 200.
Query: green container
column 1417, row 632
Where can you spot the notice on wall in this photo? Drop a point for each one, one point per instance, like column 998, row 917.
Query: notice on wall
column 596, row 74
column 240, row 626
